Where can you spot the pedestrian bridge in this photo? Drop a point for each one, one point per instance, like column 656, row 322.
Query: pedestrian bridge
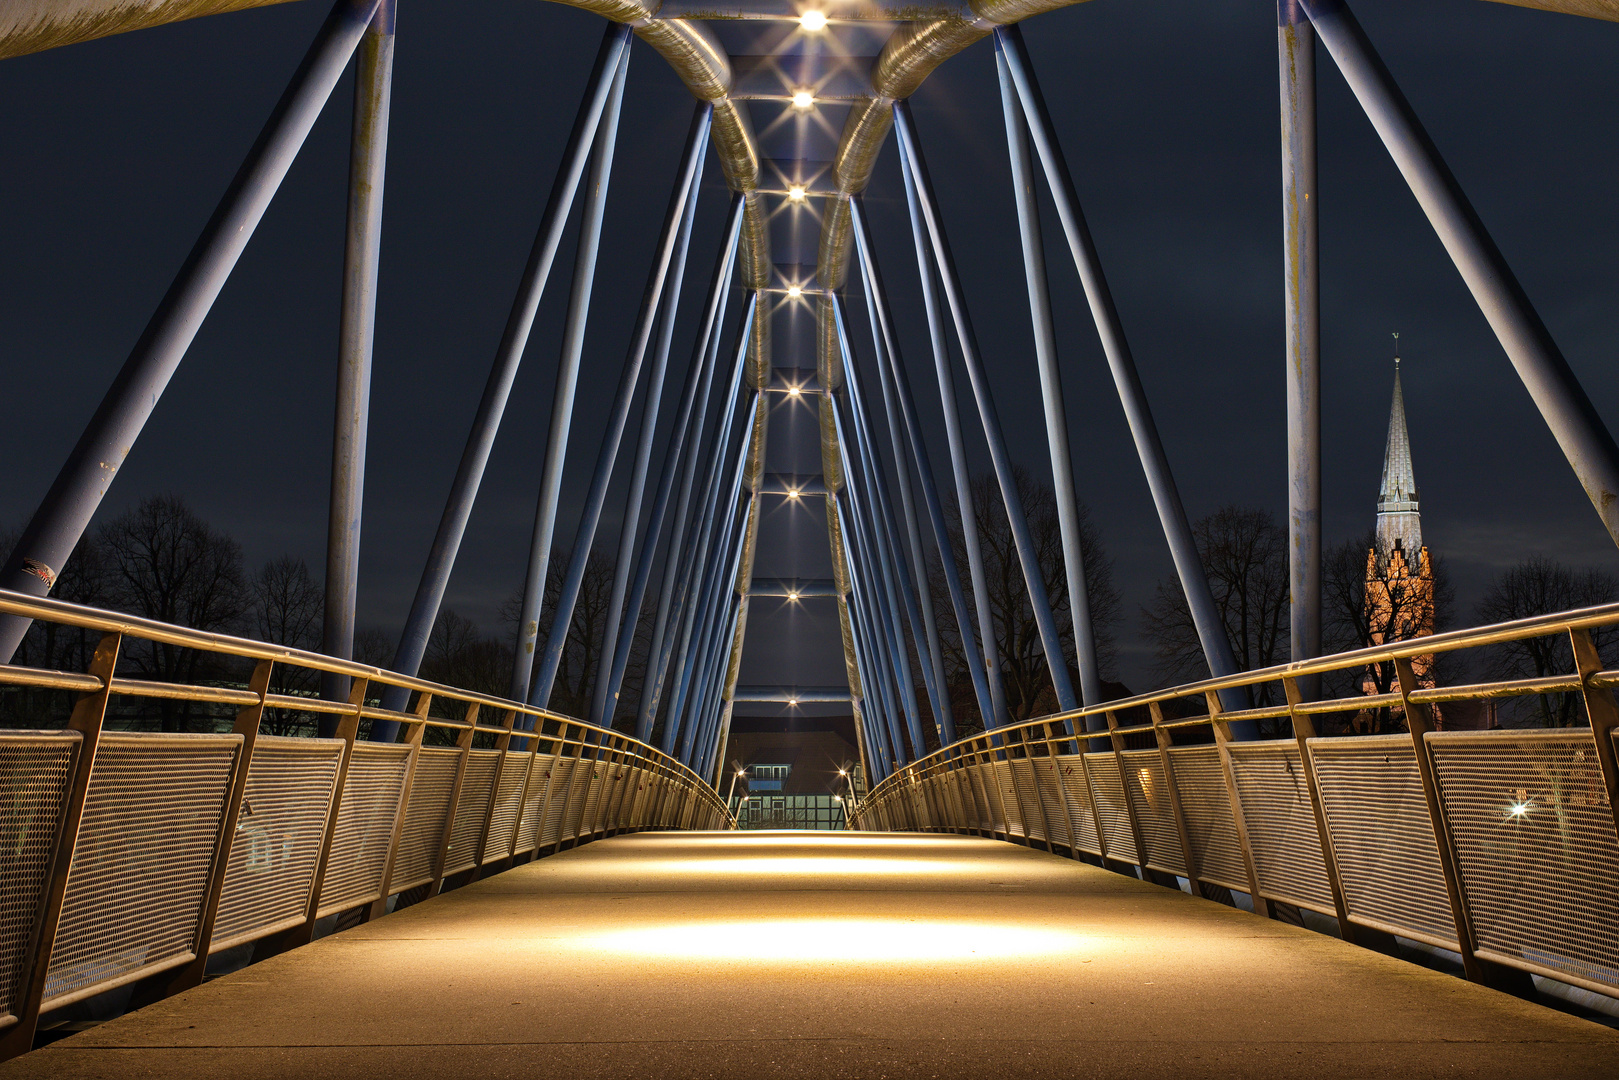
column 510, row 892
column 742, row 955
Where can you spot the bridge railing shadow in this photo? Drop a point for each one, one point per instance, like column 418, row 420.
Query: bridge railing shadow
column 1373, row 809
column 129, row 857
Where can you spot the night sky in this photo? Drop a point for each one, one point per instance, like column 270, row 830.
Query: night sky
column 118, row 150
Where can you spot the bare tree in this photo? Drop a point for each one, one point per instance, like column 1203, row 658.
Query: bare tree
column 1244, row 553
column 1539, row 586
column 53, row 646
column 1024, row 671
column 288, row 606
column 166, row 563
column 581, row 653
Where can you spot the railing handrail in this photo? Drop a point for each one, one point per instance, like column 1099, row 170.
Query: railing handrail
column 1449, row 641
column 48, row 609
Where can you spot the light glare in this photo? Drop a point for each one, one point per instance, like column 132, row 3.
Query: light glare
column 813, row 941
column 794, row 292
column 813, row 20
column 805, row 99
column 796, row 193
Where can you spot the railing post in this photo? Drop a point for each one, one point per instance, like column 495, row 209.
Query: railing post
column 348, row 729
column 89, row 713
column 413, row 738
column 1419, row 721
column 1603, row 714
column 1124, row 793
column 503, row 742
column 1165, row 741
column 464, row 742
column 1303, row 731
column 247, row 726
column 1223, row 739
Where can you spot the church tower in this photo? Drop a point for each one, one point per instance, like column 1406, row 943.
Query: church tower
column 1399, row 596
column 1399, row 522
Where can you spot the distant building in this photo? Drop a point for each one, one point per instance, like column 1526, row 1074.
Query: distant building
column 1399, row 593
column 793, row 778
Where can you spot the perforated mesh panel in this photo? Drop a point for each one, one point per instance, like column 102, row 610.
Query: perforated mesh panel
column 279, row 831
column 1535, row 846
column 583, row 779
column 1051, row 800
column 1081, row 818
column 508, row 806
column 35, row 771
column 365, row 826
column 1382, row 836
column 1149, row 795
column 959, row 797
column 1109, row 794
column 471, row 804
column 528, row 827
column 1281, row 826
column 1034, row 819
column 1002, row 800
column 556, row 799
column 423, row 832
column 984, row 795
column 1206, row 808
column 140, row 868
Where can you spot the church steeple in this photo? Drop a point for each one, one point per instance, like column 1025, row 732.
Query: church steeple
column 1399, row 524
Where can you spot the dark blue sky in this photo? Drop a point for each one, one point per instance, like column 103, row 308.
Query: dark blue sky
column 117, row 151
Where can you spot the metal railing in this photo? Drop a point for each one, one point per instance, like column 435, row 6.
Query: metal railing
column 131, row 857
column 1499, row 845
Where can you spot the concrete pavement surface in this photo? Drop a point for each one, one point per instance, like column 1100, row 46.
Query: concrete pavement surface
column 761, row 955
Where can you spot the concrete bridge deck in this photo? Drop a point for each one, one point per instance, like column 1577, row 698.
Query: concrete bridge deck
column 752, row 955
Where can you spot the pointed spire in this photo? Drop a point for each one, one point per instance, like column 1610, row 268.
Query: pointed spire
column 1397, row 512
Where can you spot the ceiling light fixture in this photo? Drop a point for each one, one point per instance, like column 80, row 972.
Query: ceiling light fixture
column 813, row 20
column 792, row 494
column 792, row 703
column 794, row 292
column 796, row 193
column 794, row 391
column 792, row 596
column 803, row 99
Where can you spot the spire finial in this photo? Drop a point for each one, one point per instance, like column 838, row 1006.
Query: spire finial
column 1396, row 350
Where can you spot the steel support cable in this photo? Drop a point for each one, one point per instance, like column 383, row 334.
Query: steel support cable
column 884, row 619
column 923, row 631
column 868, row 553
column 65, row 512
column 939, row 687
column 1045, row 351
column 724, row 654
column 675, row 237
column 695, row 558
column 711, row 593
column 562, row 403
column 988, row 648
column 698, row 377
column 590, row 141
column 989, row 419
column 674, row 566
column 863, row 617
column 691, row 557
column 866, row 607
column 878, row 700
column 884, row 537
column 1183, row 551
column 368, row 155
column 602, row 708
column 698, row 571
column 1295, row 39
column 895, row 370
column 706, row 653
column 1557, row 393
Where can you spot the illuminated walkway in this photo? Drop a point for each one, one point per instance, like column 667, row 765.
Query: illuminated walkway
column 760, row 955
